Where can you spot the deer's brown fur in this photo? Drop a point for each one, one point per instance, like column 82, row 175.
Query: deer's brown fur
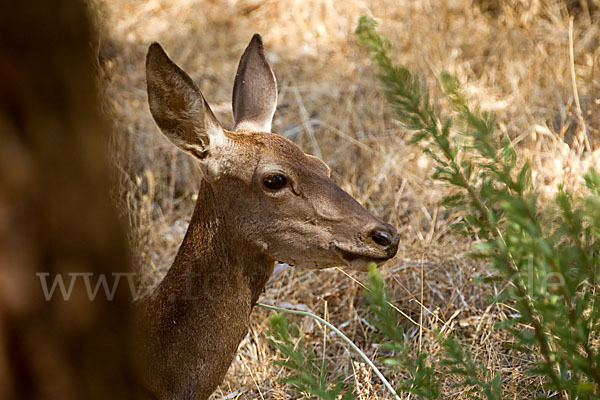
column 241, row 226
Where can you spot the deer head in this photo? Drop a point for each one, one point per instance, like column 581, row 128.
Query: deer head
column 274, row 197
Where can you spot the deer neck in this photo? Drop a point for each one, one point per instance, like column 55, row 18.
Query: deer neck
column 212, row 246
column 200, row 312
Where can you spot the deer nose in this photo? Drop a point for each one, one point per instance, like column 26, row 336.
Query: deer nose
column 387, row 237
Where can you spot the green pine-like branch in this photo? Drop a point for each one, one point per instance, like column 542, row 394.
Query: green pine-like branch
column 547, row 256
column 307, row 376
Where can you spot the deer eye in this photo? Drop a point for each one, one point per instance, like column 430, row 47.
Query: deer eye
column 275, row 182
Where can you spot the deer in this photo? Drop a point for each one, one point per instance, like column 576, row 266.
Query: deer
column 261, row 200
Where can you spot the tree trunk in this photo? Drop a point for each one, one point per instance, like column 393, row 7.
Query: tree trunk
column 56, row 216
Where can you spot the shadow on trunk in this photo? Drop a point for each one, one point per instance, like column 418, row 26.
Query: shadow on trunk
column 56, row 217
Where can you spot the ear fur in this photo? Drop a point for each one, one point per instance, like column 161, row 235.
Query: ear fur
column 254, row 89
column 178, row 107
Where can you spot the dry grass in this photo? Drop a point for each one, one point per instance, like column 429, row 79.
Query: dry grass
column 513, row 59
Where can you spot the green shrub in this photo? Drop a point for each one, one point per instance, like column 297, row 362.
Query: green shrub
column 544, row 255
column 308, row 377
column 425, row 377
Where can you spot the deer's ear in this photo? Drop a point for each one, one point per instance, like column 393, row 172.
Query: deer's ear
column 178, row 107
column 254, row 90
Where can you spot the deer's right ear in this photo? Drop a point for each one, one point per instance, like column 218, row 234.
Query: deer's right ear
column 254, row 89
column 178, row 107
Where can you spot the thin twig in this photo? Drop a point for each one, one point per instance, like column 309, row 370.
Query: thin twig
column 421, row 313
column 306, row 123
column 253, row 379
column 586, row 140
column 389, row 303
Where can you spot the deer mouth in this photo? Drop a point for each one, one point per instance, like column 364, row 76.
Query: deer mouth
column 359, row 260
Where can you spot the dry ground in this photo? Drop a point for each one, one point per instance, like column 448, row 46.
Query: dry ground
column 512, row 56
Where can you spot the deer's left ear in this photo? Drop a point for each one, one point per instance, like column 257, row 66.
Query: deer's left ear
column 254, row 90
column 178, row 107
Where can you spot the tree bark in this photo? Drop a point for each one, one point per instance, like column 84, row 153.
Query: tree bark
column 56, row 216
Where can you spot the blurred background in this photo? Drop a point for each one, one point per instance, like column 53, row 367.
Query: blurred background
column 513, row 58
